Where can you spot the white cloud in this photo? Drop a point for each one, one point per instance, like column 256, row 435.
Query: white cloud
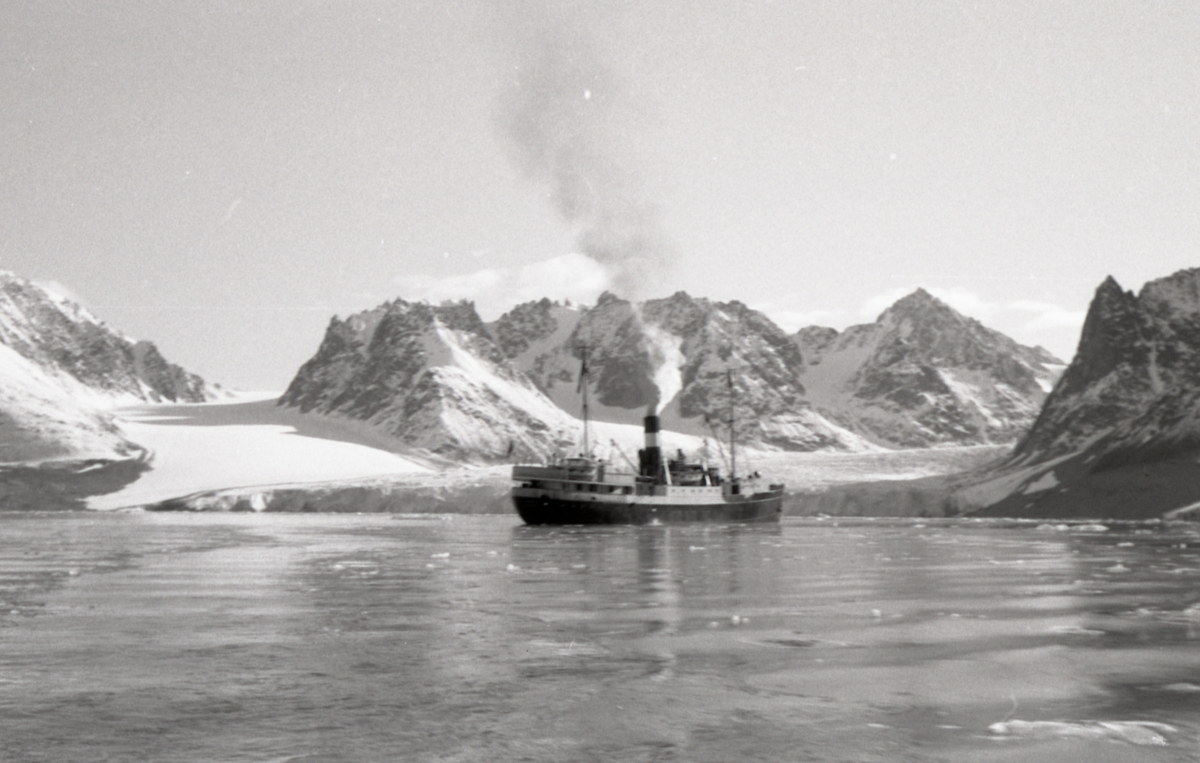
column 574, row 276
column 1047, row 315
column 477, row 286
column 791, row 317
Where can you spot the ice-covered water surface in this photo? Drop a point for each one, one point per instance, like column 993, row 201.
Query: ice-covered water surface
column 372, row 638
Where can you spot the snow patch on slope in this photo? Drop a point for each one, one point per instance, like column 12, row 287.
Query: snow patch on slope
column 516, row 391
column 1045, row 482
column 969, row 394
column 41, row 418
column 1047, row 381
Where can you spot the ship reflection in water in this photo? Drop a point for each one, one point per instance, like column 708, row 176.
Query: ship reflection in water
column 362, row 638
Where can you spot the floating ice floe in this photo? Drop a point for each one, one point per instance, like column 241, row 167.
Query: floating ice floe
column 1133, row 732
column 1181, row 687
column 1076, row 630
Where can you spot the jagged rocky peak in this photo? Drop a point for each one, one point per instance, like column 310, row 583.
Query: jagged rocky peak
column 524, row 325
column 1120, row 434
column 729, row 337
column 554, row 339
column 924, row 374
column 368, row 356
column 1131, row 386
column 725, row 342
column 922, row 306
column 940, row 332
column 1111, row 337
column 680, row 313
column 672, row 354
column 62, row 370
column 680, row 353
column 813, row 341
column 66, row 341
column 1174, row 297
column 431, row 377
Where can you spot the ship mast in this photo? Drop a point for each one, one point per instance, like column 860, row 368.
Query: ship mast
column 583, row 386
column 732, row 438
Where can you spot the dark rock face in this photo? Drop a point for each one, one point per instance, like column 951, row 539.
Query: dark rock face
column 517, row 329
column 1131, row 392
column 65, row 486
column 924, row 374
column 553, row 340
column 1130, row 492
column 814, row 341
column 61, row 336
column 618, row 359
column 688, row 347
column 1119, row 437
column 167, row 379
column 432, row 377
column 367, row 360
column 727, row 339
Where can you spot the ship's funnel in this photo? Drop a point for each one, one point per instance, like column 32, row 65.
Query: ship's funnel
column 651, row 424
column 650, row 457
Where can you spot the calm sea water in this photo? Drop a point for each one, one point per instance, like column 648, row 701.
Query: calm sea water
column 132, row 637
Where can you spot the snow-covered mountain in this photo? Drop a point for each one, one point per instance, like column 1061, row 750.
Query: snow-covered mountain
column 924, row 375
column 439, row 378
column 433, row 378
column 61, row 369
column 677, row 354
column 66, row 341
column 1120, row 433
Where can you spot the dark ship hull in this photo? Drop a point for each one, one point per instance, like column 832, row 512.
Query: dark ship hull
column 548, row 509
column 585, row 491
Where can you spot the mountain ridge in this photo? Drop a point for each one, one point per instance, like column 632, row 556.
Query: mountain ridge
column 925, row 375
column 922, row 375
column 63, row 370
column 431, row 377
column 673, row 355
column 1120, row 433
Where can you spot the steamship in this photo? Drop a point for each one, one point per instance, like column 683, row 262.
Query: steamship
column 586, row 490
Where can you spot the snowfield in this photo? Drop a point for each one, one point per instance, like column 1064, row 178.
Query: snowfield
column 217, row 446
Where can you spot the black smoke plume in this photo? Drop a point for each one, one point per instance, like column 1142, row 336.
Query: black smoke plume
column 574, row 127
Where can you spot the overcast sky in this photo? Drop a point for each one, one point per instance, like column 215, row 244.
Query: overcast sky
column 222, row 178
